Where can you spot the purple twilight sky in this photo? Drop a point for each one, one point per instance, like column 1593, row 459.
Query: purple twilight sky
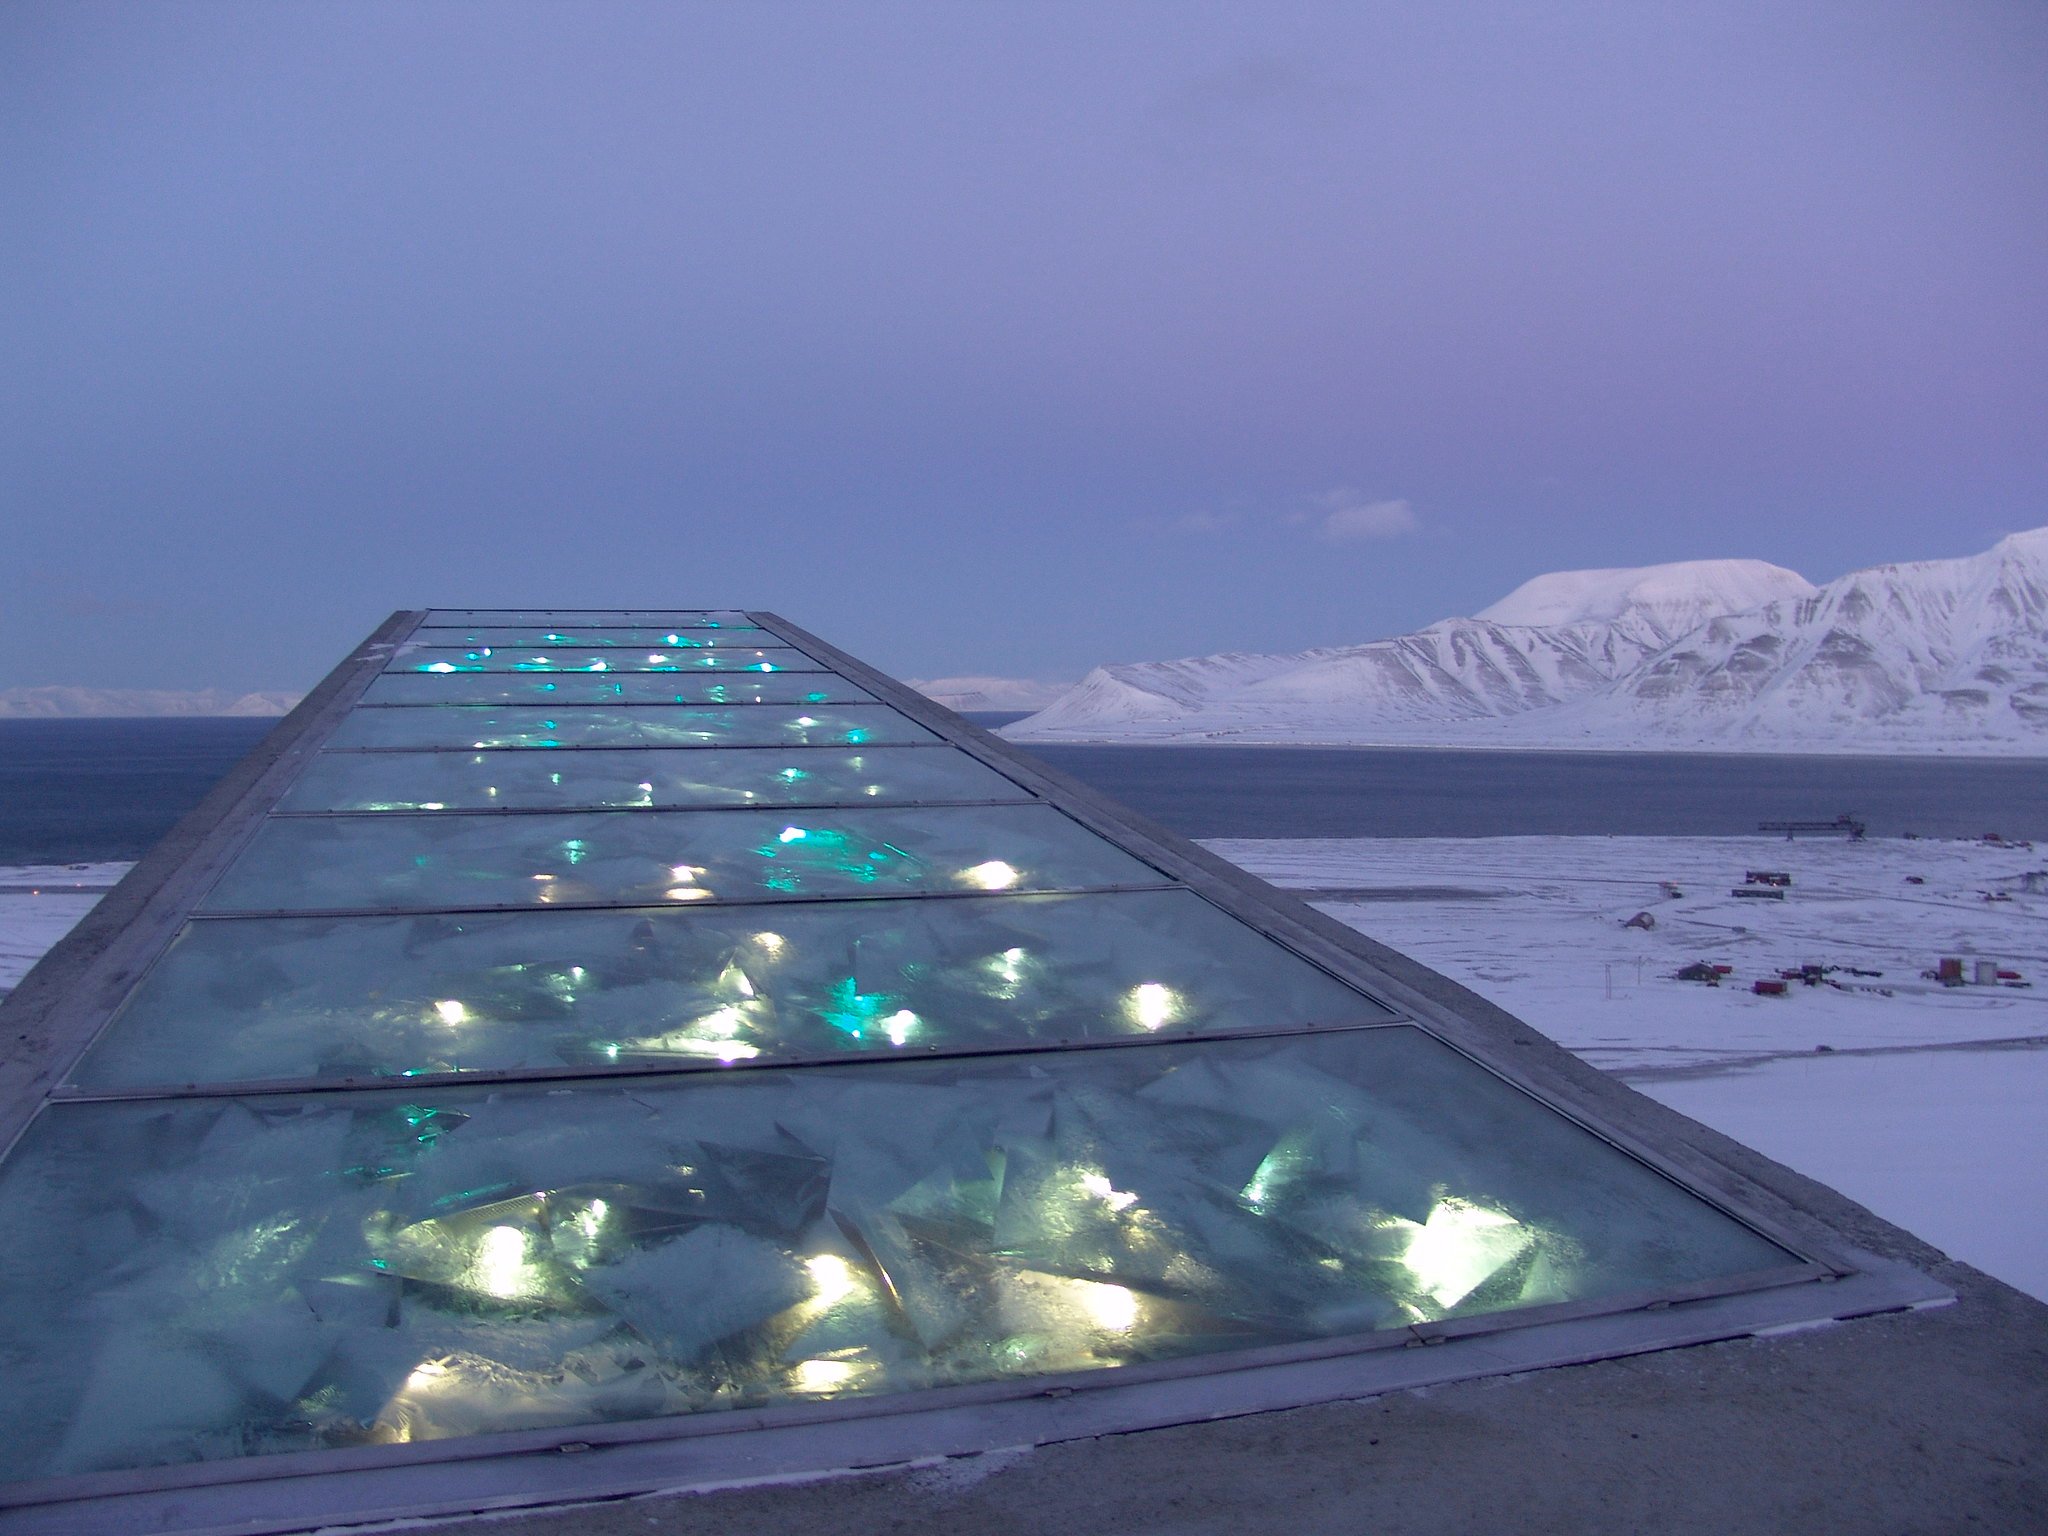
column 991, row 337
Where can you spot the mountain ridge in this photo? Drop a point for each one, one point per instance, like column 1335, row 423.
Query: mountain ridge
column 1932, row 655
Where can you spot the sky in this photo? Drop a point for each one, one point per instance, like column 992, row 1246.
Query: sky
column 991, row 338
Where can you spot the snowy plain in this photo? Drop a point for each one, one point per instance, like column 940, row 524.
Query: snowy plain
column 1927, row 1103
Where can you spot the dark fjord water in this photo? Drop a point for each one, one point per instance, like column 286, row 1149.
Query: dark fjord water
column 77, row 790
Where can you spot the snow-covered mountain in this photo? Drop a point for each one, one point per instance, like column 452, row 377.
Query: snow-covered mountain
column 1930, row 656
column 61, row 701
column 988, row 692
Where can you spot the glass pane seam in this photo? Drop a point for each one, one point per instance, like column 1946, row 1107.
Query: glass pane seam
column 707, row 905
column 68, row 1093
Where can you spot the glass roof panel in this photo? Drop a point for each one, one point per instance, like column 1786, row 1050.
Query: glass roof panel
column 742, row 725
column 404, row 862
column 643, row 780
column 571, row 688
column 328, row 1270
column 608, row 618
column 485, row 658
column 544, row 635
column 247, row 999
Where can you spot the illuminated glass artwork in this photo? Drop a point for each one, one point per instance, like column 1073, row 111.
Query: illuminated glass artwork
column 215, row 1278
column 571, row 1026
column 569, row 658
column 740, row 725
column 546, row 636
column 641, row 780
column 246, row 999
column 595, row 618
column 571, row 688
column 420, row 862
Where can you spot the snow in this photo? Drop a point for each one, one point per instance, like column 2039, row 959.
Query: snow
column 1680, row 597
column 1921, row 1107
column 39, row 904
column 989, row 692
column 1937, row 656
column 61, row 701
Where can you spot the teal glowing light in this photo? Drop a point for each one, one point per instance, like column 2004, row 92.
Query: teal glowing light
column 792, row 775
column 853, row 1012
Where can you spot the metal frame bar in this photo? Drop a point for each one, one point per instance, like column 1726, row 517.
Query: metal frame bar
column 835, row 898
column 655, row 1072
column 64, row 1002
column 866, row 802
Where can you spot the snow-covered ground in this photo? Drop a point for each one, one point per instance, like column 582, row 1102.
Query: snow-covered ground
column 39, row 904
column 1927, row 1103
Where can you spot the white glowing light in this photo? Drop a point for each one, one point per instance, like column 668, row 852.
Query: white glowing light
column 683, row 873
column 1109, row 1307
column 686, row 893
column 832, row 1276
column 451, row 1011
column 874, row 789
column 995, row 875
column 500, row 1266
column 1459, row 1248
column 899, row 1025
column 657, row 660
column 441, row 666
column 426, row 1374
column 543, row 877
column 772, row 942
column 822, row 1375
column 1152, row 1005
column 590, row 1219
column 722, row 1023
column 598, row 666
column 1098, row 1186
column 792, row 835
column 432, row 805
column 805, row 720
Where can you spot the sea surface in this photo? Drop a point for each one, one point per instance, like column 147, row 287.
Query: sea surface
column 73, row 791
column 79, row 791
